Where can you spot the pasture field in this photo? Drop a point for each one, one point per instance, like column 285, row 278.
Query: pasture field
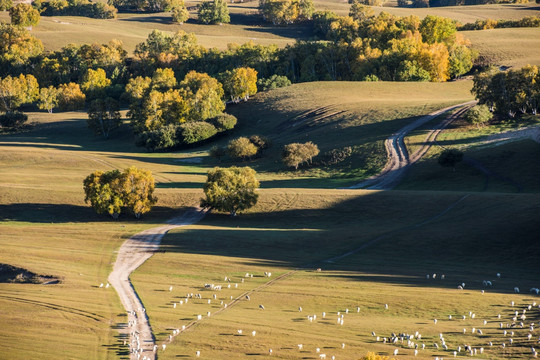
column 45, row 227
column 334, row 115
column 293, row 231
column 515, row 47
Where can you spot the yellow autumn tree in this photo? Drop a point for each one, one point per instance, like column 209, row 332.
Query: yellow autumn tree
column 240, row 83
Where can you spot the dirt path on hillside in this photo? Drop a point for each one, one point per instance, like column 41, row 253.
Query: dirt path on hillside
column 398, row 156
column 132, row 254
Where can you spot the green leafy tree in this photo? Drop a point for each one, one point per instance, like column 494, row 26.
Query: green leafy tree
column 138, row 190
column 103, row 191
column 104, row 117
column 241, row 148
column 214, row 12
column 478, row 115
column 224, row 122
column 48, row 98
column 240, row 83
column 273, row 82
column 24, row 15
column 438, row 29
column 196, row 131
column 110, row 192
column 231, row 189
column 94, row 83
column 180, row 14
column 70, row 97
column 450, row 158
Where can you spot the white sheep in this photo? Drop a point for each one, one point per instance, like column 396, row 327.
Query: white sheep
column 516, row 290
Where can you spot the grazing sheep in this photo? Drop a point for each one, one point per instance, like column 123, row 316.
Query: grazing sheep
column 322, row 356
column 498, row 275
column 449, row 317
column 270, row 351
column 300, row 346
column 199, row 317
column 261, row 307
column 239, row 331
column 396, row 352
column 386, row 306
column 317, row 350
column 170, row 288
column 253, row 333
column 197, row 353
column 101, row 285
column 435, row 321
column 163, row 347
column 247, row 297
column 343, row 345
column 516, row 290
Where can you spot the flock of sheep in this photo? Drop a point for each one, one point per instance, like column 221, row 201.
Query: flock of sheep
column 513, row 327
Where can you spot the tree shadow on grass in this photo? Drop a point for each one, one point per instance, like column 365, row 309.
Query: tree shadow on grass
column 391, row 237
column 67, row 213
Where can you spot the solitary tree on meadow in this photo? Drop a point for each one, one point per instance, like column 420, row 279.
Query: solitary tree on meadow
column 478, row 115
column 231, row 189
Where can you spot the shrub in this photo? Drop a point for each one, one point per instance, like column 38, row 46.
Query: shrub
column 478, row 115
column 163, row 138
column 218, row 152
column 224, row 122
column 335, row 156
column 13, row 119
column 261, row 142
column 196, row 131
column 241, row 148
column 273, row 82
column 296, row 154
column 450, row 157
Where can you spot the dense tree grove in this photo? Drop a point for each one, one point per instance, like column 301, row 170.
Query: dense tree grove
column 231, row 189
column 24, row 15
column 511, row 92
column 113, row 191
column 96, row 10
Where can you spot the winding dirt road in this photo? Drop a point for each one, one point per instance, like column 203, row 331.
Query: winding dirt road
column 140, row 247
column 398, row 156
column 132, row 254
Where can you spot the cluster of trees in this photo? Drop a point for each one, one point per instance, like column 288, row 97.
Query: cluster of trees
column 385, row 47
column 285, row 12
column 166, row 113
column 527, row 21
column 511, row 92
column 295, row 154
column 96, row 10
column 112, row 192
column 143, row 5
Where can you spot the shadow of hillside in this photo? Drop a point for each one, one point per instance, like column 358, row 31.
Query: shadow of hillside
column 395, row 237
